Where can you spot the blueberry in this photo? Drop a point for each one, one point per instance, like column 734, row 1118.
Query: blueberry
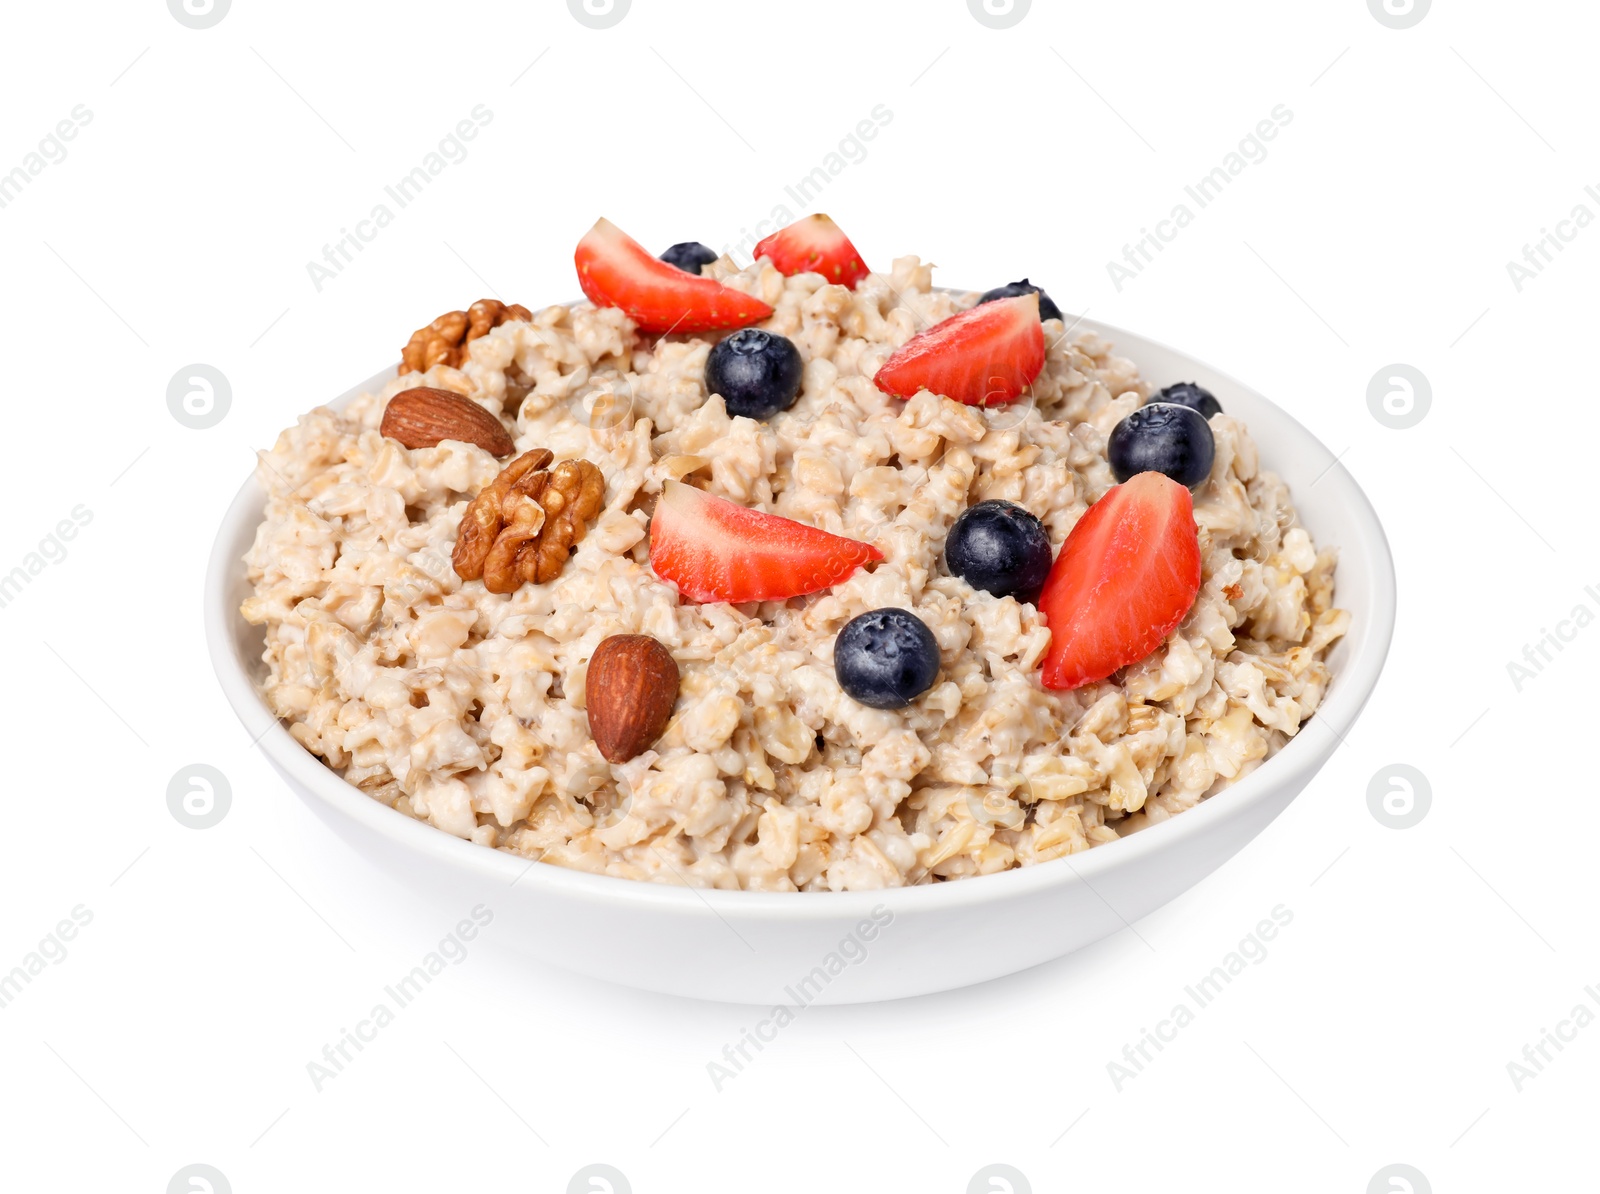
column 689, row 256
column 1047, row 309
column 757, row 373
column 886, row 658
column 1192, row 395
column 1000, row 548
column 1163, row 437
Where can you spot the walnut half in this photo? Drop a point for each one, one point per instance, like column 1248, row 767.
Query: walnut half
column 445, row 340
column 526, row 522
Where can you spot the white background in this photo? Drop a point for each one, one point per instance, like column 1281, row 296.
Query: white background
column 178, row 229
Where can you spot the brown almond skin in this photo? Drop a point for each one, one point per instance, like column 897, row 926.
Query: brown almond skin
column 422, row 417
column 631, row 688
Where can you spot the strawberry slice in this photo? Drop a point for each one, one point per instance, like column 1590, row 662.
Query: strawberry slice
column 814, row 245
column 984, row 356
column 616, row 271
column 717, row 550
column 1125, row 578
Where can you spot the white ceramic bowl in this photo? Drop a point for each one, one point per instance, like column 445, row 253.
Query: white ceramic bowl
column 769, row 948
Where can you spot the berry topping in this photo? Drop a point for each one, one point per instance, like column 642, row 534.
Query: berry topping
column 1000, row 548
column 1047, row 308
column 1192, row 395
column 814, row 245
column 1166, row 438
column 886, row 658
column 1125, row 578
column 756, row 372
column 717, row 550
column 689, row 256
column 616, row 271
column 984, row 356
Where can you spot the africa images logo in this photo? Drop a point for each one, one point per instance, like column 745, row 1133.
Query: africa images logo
column 999, row 14
column 198, row 14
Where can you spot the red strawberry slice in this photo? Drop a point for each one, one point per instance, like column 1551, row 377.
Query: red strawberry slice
column 717, row 550
column 814, row 245
column 984, row 356
column 616, row 271
column 1125, row 578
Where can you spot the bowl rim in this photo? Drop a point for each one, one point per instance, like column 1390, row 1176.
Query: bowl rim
column 1301, row 757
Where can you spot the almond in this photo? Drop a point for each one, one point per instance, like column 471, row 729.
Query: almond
column 631, row 688
column 422, row 417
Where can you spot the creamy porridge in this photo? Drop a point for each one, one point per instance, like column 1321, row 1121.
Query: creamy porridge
column 466, row 708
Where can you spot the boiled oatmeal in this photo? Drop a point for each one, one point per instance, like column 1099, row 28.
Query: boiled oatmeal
column 431, row 613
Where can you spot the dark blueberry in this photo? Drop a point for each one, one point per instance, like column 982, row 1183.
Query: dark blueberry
column 1163, row 437
column 1000, row 548
column 689, row 256
column 886, row 658
column 1047, row 309
column 1192, row 395
column 757, row 373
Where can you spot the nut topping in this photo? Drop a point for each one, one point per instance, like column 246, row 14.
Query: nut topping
column 445, row 340
column 423, row 417
column 631, row 688
column 525, row 523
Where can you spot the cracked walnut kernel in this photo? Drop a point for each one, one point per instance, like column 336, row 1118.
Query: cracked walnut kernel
column 526, row 522
column 445, row 340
